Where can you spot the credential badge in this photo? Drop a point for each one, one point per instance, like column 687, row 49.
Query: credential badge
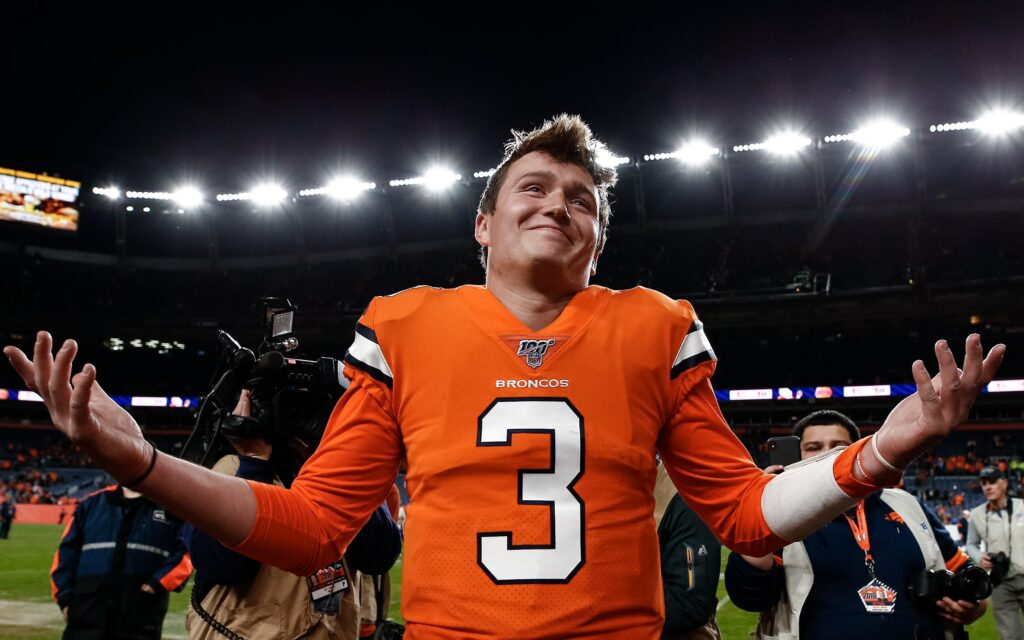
column 534, row 351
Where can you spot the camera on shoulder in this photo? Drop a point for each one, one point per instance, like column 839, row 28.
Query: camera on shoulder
column 290, row 398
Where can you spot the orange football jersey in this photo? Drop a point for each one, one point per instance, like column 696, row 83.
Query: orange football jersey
column 531, row 461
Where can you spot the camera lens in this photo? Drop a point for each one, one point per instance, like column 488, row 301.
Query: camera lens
column 972, row 583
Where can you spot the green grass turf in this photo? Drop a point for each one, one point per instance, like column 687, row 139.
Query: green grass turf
column 25, row 567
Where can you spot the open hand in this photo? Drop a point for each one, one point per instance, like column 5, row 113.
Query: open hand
column 941, row 403
column 77, row 405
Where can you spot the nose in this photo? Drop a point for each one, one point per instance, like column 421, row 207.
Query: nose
column 558, row 208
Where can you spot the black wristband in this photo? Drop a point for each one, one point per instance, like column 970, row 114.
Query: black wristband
column 149, row 469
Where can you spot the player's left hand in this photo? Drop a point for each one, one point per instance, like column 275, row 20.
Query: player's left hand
column 940, row 404
column 147, row 589
column 961, row 611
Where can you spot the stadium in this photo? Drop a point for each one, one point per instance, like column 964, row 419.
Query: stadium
column 832, row 201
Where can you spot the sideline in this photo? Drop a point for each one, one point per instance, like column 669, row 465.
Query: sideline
column 17, row 613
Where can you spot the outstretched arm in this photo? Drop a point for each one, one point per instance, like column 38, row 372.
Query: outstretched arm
column 754, row 513
column 300, row 529
column 221, row 505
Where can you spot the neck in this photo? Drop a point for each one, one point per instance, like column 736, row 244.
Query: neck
column 534, row 307
column 998, row 503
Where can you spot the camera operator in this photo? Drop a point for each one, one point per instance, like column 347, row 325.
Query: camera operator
column 877, row 570
column 240, row 597
column 999, row 523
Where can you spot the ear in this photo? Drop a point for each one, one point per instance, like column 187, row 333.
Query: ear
column 482, row 229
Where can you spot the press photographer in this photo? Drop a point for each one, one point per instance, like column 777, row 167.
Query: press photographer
column 999, row 524
column 282, row 407
column 857, row 577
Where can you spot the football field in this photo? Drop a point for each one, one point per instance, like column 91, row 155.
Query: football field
column 27, row 610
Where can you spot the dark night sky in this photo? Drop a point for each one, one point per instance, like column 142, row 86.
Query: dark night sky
column 150, row 97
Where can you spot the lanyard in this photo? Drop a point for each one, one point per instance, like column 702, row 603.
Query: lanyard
column 860, row 535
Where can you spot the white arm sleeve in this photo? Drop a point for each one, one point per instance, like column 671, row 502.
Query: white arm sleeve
column 805, row 497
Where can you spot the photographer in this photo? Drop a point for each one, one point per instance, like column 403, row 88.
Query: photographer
column 999, row 523
column 254, row 600
column 857, row 576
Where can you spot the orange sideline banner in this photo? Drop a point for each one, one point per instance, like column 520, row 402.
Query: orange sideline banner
column 44, row 513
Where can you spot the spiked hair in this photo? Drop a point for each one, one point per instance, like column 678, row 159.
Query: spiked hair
column 566, row 138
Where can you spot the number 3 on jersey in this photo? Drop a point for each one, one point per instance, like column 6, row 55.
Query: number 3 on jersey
column 558, row 561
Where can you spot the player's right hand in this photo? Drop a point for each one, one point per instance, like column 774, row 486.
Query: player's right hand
column 77, row 404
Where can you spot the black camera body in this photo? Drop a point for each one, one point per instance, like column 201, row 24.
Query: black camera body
column 1000, row 567
column 290, row 399
column 969, row 583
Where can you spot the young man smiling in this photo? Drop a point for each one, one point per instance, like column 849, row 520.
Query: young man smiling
column 531, row 508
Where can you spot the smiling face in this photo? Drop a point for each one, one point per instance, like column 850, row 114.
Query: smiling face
column 545, row 217
column 822, row 437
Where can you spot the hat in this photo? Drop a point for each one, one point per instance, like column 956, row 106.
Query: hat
column 991, row 473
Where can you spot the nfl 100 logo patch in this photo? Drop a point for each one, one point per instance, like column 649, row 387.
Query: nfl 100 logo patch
column 534, row 351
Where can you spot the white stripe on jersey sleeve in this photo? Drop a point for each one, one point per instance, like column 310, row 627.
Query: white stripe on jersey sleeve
column 694, row 349
column 368, row 352
column 693, row 344
column 804, row 498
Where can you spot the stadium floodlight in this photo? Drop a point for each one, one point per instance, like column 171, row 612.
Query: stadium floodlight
column 787, row 143
column 484, row 174
column 879, row 134
column 696, row 152
column 110, row 192
column 148, row 195
column 267, row 194
column 999, row 122
column 145, row 209
column 606, row 158
column 436, row 179
column 344, row 188
column 653, row 157
column 439, row 179
column 129, row 208
column 951, row 126
column 347, row 188
column 755, row 146
column 188, row 196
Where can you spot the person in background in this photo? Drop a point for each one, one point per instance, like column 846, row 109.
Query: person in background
column 120, row 556
column 8, row 509
column 256, row 600
column 691, row 558
column 849, row 579
column 999, row 524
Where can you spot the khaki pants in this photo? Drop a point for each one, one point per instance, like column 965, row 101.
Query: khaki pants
column 1007, row 606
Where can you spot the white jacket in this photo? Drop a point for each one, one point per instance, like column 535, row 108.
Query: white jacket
column 783, row 622
column 998, row 534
